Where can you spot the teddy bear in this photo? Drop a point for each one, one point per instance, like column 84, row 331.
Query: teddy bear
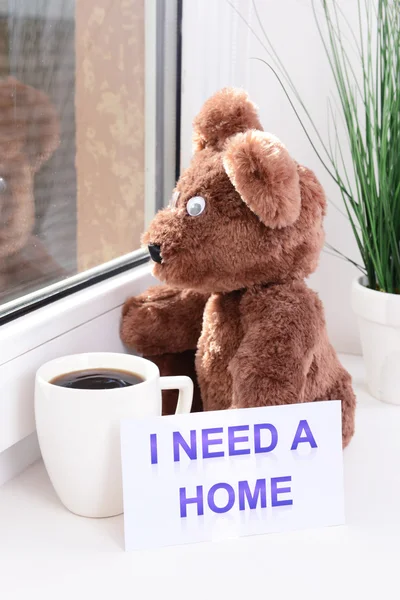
column 29, row 134
column 243, row 230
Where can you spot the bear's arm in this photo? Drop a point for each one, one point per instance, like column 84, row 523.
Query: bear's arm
column 163, row 320
column 282, row 326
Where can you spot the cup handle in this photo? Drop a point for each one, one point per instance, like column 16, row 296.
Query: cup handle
column 185, row 386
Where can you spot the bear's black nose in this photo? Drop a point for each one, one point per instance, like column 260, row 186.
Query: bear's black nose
column 155, row 252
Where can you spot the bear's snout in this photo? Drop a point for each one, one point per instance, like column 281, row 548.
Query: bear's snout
column 155, row 252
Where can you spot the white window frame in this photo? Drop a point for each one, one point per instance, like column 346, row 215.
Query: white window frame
column 89, row 319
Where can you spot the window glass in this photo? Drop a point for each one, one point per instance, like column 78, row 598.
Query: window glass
column 72, row 137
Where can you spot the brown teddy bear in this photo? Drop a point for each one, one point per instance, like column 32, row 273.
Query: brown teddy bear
column 242, row 232
column 29, row 134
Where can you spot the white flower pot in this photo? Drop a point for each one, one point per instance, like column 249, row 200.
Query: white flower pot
column 379, row 323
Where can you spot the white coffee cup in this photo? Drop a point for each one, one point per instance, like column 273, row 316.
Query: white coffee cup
column 79, row 430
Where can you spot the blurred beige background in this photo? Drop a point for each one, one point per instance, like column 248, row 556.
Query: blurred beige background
column 109, row 113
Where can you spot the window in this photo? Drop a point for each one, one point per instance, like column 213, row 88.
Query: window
column 87, row 103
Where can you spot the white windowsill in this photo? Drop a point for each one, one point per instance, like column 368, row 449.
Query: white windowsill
column 45, row 548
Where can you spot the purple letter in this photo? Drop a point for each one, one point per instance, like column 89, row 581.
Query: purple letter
column 206, row 442
column 232, row 440
column 153, row 448
column 244, row 492
column 275, row 491
column 191, row 450
column 257, row 438
column 303, row 426
column 231, row 497
column 197, row 500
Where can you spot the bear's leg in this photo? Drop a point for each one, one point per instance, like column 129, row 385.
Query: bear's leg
column 342, row 390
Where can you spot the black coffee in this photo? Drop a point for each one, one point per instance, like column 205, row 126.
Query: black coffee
column 97, row 379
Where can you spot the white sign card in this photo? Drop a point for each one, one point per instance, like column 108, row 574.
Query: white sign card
column 213, row 475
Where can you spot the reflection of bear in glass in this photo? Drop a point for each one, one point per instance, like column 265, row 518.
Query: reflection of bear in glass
column 29, row 134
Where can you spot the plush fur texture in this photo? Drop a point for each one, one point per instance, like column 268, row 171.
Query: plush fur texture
column 237, row 270
column 265, row 176
column 149, row 319
column 228, row 112
column 29, row 134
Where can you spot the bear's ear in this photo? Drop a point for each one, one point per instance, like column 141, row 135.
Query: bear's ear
column 265, row 176
column 226, row 113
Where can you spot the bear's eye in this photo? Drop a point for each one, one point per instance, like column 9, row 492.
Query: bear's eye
column 174, row 199
column 195, row 206
column 3, row 185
